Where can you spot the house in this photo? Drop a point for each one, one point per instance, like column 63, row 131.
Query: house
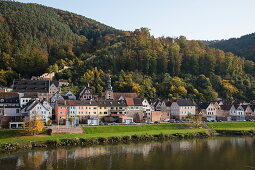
column 81, row 111
column 63, row 83
column 37, row 110
column 70, row 96
column 223, row 112
column 57, row 96
column 181, row 108
column 147, row 109
column 61, row 111
column 26, row 97
column 9, row 108
column 236, row 113
column 54, row 87
column 248, row 111
column 250, row 115
column 134, row 109
column 209, row 110
column 159, row 116
column 86, row 93
column 86, row 109
column 44, row 88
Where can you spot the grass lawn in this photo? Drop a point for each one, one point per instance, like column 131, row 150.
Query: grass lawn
column 104, row 131
column 232, row 125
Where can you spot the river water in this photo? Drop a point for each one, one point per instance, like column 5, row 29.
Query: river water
column 200, row 154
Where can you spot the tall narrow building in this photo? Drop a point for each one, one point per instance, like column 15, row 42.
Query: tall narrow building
column 109, row 91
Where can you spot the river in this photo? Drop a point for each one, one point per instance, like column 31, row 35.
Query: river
column 199, row 154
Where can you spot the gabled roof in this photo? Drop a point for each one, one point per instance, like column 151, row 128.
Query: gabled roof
column 32, row 104
column 185, row 102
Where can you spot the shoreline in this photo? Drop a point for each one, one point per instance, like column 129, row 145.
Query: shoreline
column 70, row 142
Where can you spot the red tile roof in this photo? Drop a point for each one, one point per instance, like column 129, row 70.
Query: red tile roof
column 129, row 101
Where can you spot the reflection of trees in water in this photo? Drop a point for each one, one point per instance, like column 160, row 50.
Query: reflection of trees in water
column 205, row 151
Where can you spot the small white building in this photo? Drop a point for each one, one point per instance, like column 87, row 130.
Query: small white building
column 181, row 108
column 209, row 110
column 237, row 113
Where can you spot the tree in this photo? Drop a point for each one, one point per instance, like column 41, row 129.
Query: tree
column 33, row 127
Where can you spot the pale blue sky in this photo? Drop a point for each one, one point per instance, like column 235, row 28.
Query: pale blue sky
column 195, row 19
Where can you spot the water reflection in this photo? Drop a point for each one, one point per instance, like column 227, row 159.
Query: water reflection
column 232, row 153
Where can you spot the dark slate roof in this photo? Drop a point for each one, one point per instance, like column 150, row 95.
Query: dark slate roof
column 9, row 98
column 185, row 102
column 204, row 105
column 30, row 95
column 245, row 106
column 41, row 86
column 226, row 107
column 56, row 83
column 138, row 102
column 109, row 103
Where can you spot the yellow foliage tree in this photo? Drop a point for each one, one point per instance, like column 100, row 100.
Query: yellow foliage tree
column 33, row 127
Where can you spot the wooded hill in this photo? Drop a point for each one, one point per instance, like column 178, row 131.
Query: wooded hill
column 35, row 39
column 243, row 46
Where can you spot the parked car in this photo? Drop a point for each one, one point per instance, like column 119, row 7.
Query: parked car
column 172, row 121
column 156, row 122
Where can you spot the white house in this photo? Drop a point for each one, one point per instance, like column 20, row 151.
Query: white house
column 181, row 108
column 147, row 109
column 237, row 112
column 26, row 97
column 210, row 110
column 37, row 110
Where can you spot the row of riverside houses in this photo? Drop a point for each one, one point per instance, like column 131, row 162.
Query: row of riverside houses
column 42, row 99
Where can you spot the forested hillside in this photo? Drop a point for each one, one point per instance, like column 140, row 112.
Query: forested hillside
column 35, row 39
column 243, row 46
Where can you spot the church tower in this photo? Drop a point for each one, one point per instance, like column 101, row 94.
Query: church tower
column 109, row 91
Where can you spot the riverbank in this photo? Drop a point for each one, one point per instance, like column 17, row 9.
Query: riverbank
column 12, row 140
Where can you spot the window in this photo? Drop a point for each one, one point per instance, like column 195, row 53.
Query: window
column 17, row 110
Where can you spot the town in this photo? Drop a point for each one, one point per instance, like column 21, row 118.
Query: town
column 41, row 98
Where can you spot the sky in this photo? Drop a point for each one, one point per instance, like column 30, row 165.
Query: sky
column 195, row 19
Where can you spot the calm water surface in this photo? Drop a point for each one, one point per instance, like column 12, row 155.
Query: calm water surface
column 202, row 154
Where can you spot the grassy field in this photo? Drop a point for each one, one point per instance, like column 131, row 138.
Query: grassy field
column 232, row 125
column 10, row 136
column 13, row 136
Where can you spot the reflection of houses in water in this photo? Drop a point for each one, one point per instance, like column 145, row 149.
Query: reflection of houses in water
column 182, row 145
column 239, row 141
column 214, row 145
column 90, row 152
column 143, row 149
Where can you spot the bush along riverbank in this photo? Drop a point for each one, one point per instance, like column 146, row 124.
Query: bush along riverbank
column 235, row 132
column 103, row 140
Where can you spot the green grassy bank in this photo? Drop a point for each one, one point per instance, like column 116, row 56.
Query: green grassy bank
column 232, row 125
column 14, row 136
column 13, row 139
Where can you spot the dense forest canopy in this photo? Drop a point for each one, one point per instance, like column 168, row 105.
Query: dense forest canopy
column 243, row 46
column 35, row 39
